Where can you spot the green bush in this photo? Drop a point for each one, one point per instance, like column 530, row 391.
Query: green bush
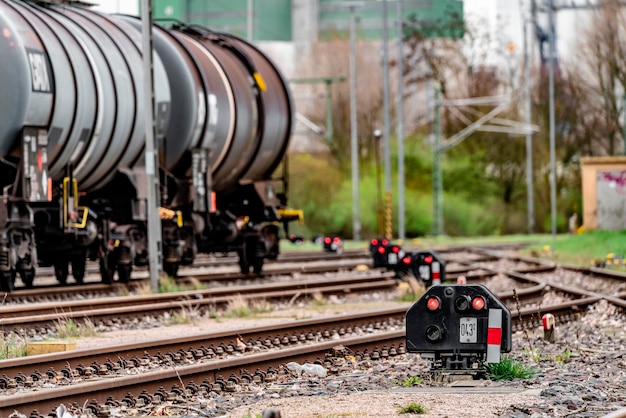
column 481, row 196
column 470, row 219
column 509, row 369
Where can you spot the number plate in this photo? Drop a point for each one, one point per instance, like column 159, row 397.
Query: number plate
column 392, row 258
column 468, row 330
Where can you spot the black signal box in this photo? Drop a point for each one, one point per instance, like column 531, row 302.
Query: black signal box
column 457, row 322
column 428, row 267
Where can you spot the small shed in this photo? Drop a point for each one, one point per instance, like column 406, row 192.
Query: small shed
column 604, row 192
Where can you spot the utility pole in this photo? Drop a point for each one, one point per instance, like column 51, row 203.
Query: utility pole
column 400, row 127
column 386, row 127
column 250, row 21
column 529, row 136
column 354, row 143
column 151, row 156
column 552, row 37
column 624, row 122
column 437, row 176
column 379, row 197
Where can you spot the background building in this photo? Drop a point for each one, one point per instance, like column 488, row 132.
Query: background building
column 298, row 20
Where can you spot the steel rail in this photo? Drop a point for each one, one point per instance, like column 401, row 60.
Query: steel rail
column 228, row 339
column 34, row 316
column 152, row 382
column 186, row 276
column 26, row 365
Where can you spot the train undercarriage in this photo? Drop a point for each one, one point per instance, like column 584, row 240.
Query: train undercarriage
column 65, row 233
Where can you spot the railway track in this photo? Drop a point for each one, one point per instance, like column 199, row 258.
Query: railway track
column 21, row 318
column 196, row 278
column 256, row 367
column 94, row 376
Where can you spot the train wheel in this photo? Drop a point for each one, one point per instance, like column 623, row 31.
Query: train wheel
column 28, row 277
column 257, row 265
column 61, row 271
column 106, row 272
column 7, row 281
column 256, row 255
column 171, row 269
column 244, row 267
column 123, row 272
column 78, row 268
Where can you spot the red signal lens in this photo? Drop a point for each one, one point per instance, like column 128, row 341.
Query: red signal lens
column 428, row 259
column 381, row 250
column 395, row 249
column 385, row 242
column 336, row 239
column 327, row 240
column 406, row 260
column 374, row 242
column 478, row 303
column 433, row 303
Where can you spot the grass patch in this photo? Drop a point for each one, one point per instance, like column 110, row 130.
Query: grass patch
column 410, row 381
column 68, row 328
column 509, row 369
column 240, row 307
column 187, row 314
column 319, row 300
column 410, row 289
column 563, row 357
column 144, row 288
column 250, row 415
column 12, row 346
column 168, row 284
column 413, row 408
column 582, row 249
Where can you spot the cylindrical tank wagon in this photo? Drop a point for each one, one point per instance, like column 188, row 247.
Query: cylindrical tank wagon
column 72, row 140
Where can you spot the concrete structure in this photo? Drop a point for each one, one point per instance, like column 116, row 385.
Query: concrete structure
column 604, row 192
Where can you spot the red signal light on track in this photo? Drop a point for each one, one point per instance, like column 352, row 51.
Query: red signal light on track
column 374, row 241
column 336, row 240
column 327, row 240
column 428, row 259
column 381, row 250
column 395, row 249
column 478, row 303
column 385, row 242
column 406, row 260
column 433, row 303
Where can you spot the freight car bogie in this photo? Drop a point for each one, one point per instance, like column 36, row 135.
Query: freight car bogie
column 18, row 254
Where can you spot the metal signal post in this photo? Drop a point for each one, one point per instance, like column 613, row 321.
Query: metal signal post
column 152, row 161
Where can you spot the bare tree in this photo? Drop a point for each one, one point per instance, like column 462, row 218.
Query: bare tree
column 331, row 59
column 598, row 77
